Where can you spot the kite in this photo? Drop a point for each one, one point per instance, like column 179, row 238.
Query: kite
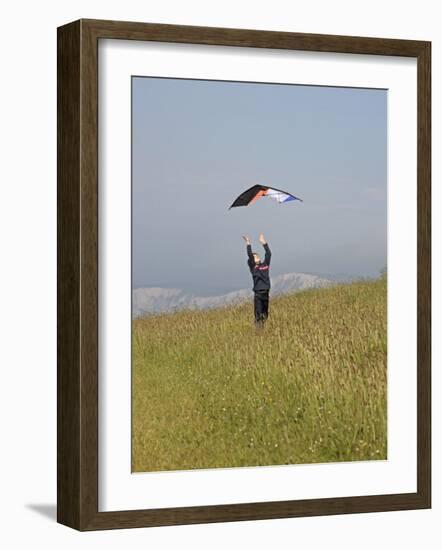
column 258, row 191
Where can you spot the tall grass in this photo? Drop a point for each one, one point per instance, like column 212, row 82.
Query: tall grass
column 210, row 390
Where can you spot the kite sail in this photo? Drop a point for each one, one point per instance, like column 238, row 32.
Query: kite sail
column 258, row 191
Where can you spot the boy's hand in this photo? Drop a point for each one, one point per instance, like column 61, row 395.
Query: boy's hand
column 262, row 239
column 246, row 239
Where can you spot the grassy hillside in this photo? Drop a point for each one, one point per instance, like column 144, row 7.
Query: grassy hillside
column 210, row 390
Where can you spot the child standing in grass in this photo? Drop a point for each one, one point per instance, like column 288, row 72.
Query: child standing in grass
column 261, row 279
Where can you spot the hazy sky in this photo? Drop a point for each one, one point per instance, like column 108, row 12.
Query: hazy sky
column 198, row 144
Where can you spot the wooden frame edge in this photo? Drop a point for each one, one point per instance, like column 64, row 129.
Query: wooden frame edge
column 424, row 273
column 68, row 274
column 77, row 274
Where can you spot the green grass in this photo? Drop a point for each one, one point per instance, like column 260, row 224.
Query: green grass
column 210, row 390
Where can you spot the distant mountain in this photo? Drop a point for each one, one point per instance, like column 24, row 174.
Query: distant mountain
column 161, row 300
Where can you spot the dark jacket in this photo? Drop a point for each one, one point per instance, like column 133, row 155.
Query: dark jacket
column 260, row 272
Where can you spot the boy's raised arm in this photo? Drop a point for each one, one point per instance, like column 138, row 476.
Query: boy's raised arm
column 251, row 260
column 268, row 253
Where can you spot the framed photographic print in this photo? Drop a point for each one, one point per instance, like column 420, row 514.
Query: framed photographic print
column 243, row 274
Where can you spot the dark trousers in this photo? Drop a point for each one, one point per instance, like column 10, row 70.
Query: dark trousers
column 261, row 303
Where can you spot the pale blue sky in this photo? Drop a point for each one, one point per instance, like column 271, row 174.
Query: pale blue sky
column 198, row 144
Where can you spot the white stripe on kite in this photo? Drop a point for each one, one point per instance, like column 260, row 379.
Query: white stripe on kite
column 277, row 195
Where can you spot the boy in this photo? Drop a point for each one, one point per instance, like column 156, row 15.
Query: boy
column 261, row 279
